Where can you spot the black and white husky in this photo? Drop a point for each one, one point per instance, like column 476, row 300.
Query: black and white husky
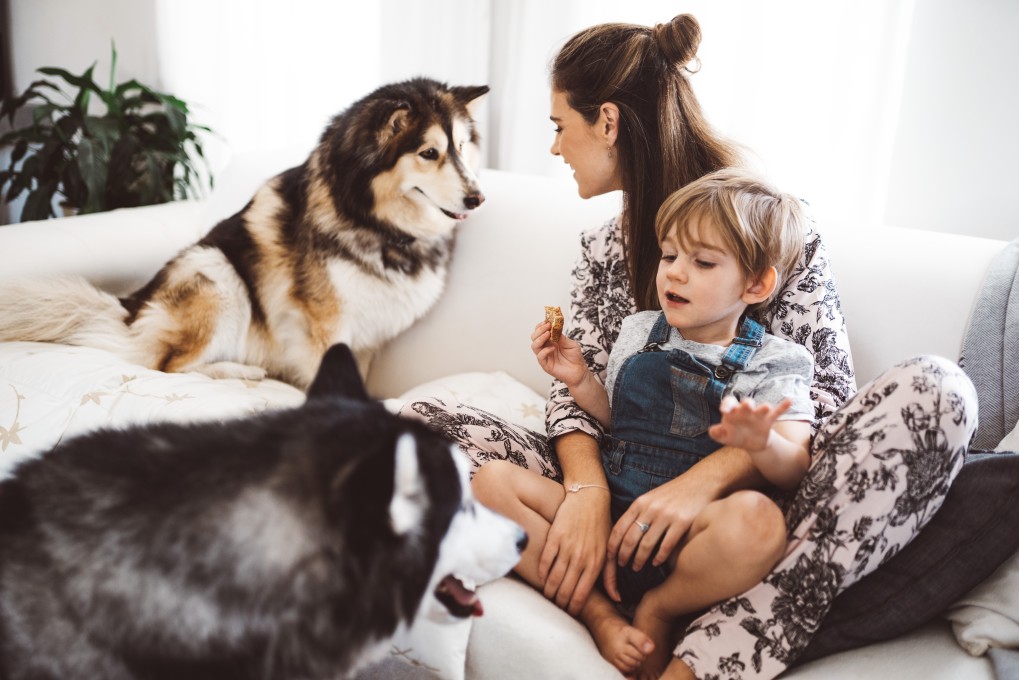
column 289, row 545
column 350, row 247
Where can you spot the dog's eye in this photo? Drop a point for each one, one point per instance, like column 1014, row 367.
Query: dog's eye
column 429, row 154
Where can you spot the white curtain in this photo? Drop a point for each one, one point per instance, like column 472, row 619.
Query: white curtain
column 266, row 74
column 812, row 88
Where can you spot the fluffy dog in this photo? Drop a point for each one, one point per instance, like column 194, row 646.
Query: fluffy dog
column 351, row 247
column 287, row 545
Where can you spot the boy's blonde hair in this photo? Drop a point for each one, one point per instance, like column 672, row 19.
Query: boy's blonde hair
column 761, row 226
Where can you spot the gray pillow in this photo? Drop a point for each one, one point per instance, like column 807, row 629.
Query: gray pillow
column 969, row 537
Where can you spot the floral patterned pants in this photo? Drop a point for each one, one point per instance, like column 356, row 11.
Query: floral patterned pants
column 882, row 465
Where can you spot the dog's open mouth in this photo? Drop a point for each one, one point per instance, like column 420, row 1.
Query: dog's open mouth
column 455, row 216
column 459, row 598
column 459, row 217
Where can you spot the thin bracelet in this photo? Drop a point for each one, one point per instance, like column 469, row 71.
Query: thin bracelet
column 577, row 486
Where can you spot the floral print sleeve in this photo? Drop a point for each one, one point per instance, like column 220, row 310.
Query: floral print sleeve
column 600, row 298
column 808, row 311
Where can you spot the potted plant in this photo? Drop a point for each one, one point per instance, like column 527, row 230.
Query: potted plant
column 139, row 148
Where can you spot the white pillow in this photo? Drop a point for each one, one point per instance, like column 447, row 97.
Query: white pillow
column 988, row 615
column 496, row 392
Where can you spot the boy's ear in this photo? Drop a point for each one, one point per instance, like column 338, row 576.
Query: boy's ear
column 761, row 288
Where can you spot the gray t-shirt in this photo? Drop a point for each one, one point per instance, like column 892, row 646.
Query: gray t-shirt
column 780, row 368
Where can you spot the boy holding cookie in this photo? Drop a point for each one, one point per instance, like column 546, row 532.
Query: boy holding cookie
column 681, row 383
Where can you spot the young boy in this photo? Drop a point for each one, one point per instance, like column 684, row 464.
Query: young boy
column 680, row 383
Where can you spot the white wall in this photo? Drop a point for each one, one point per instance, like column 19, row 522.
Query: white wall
column 955, row 165
column 74, row 34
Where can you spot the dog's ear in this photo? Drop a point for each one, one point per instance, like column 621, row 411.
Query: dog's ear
column 398, row 112
column 469, row 96
column 338, row 376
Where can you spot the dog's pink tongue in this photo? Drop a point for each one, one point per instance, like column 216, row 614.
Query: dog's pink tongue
column 463, row 597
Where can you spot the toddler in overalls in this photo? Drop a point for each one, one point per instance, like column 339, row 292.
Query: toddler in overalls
column 698, row 374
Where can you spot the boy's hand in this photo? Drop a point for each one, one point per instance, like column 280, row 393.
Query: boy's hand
column 746, row 425
column 562, row 360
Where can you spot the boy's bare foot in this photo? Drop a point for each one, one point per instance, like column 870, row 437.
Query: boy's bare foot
column 659, row 630
column 622, row 645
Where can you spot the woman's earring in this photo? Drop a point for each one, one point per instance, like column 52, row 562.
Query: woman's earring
column 610, row 152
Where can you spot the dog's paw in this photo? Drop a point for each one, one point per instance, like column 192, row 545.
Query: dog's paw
column 230, row 369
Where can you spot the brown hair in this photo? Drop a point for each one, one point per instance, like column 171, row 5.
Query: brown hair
column 760, row 225
column 664, row 141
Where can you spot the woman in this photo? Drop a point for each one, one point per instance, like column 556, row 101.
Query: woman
column 882, row 459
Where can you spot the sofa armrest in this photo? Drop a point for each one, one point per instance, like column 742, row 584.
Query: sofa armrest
column 118, row 250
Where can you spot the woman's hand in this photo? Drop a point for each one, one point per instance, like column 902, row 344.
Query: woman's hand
column 575, row 548
column 562, row 360
column 667, row 512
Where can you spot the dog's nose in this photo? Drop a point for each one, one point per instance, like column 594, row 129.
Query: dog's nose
column 522, row 541
column 472, row 201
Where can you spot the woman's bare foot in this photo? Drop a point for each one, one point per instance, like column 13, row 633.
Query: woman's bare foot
column 622, row 645
column 659, row 629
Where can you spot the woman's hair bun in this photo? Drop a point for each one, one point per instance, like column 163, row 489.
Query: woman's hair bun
column 679, row 39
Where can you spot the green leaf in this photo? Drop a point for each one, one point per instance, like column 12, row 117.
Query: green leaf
column 104, row 130
column 32, row 135
column 66, row 129
column 82, row 81
column 113, row 64
column 42, row 82
column 19, row 183
column 19, row 150
column 74, row 189
column 45, row 111
column 39, row 204
column 93, row 166
column 30, row 167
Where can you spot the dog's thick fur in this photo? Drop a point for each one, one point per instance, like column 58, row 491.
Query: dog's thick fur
column 288, row 545
column 351, row 247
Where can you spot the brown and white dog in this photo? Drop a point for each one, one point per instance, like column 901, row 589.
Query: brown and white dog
column 350, row 247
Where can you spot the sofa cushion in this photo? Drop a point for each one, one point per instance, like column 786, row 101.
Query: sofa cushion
column 971, row 535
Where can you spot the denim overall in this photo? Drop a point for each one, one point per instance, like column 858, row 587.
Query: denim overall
column 650, row 444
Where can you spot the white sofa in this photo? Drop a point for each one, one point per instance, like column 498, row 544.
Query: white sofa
column 512, row 257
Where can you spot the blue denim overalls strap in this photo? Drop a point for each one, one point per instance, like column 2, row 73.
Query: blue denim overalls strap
column 663, row 402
